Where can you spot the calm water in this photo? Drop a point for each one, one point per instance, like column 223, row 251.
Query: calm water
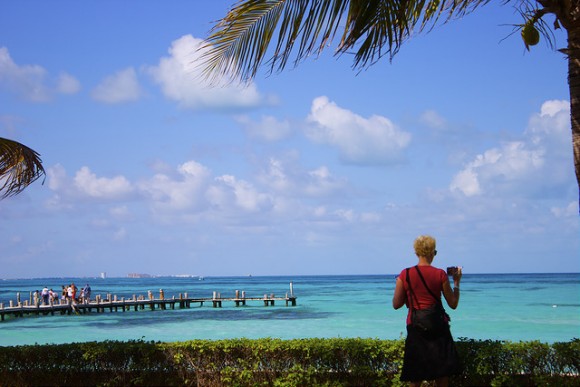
column 514, row 307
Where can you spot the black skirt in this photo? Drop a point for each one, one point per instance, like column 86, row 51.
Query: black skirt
column 429, row 357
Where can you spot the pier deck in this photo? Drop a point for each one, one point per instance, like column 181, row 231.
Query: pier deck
column 115, row 304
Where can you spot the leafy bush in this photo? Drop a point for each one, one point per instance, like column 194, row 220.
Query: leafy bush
column 275, row 362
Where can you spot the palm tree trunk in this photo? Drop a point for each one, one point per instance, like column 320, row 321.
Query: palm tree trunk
column 574, row 83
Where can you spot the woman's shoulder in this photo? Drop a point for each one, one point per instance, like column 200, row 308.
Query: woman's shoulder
column 435, row 271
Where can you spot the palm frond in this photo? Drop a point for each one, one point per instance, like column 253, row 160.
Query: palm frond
column 20, row 166
column 239, row 43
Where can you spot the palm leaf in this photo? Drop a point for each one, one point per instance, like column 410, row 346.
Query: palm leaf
column 20, row 166
column 238, row 43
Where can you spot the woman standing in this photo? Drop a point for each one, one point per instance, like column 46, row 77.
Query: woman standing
column 429, row 349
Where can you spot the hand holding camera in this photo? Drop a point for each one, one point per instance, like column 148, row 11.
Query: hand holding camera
column 455, row 271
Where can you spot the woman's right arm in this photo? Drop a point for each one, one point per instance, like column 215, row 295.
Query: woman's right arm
column 399, row 297
column 452, row 296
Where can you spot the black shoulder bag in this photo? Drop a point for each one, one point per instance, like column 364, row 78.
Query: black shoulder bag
column 431, row 320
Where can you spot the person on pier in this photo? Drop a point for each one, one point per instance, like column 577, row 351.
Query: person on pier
column 52, row 295
column 87, row 294
column 45, row 295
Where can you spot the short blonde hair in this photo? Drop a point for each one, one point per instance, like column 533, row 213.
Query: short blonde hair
column 425, row 246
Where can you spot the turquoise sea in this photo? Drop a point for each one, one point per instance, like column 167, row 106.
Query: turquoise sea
column 513, row 307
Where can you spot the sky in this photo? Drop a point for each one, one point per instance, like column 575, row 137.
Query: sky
column 318, row 169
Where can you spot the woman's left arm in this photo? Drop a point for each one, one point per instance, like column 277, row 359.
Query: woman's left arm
column 399, row 298
column 451, row 296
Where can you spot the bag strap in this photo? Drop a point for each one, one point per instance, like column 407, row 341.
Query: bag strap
column 411, row 289
column 427, row 287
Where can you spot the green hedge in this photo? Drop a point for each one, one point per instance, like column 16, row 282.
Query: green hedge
column 274, row 362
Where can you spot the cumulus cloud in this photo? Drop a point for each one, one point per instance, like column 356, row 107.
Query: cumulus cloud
column 245, row 195
column 118, row 88
column 551, row 125
column 268, row 128
column 373, row 140
column 286, row 177
column 194, row 189
column 186, row 190
column 30, row 82
column 180, row 79
column 190, row 193
column 513, row 161
column 86, row 185
column 89, row 184
column 533, row 165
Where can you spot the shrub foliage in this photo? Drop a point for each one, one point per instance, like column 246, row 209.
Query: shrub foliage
column 274, row 362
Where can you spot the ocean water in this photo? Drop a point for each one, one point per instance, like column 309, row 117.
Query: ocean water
column 513, row 307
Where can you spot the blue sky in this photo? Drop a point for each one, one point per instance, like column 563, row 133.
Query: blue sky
column 319, row 169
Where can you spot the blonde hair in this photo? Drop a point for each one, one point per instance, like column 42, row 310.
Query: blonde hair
column 425, row 246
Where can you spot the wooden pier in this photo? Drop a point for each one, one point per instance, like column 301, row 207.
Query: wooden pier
column 115, row 304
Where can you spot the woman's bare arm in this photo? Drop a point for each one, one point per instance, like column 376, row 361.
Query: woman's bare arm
column 399, row 298
column 452, row 296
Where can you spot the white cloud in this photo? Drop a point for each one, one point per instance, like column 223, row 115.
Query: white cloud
column 466, row 181
column 551, row 125
column 89, row 184
column 553, row 108
column 180, row 79
column 29, row 81
column 191, row 194
column 123, row 86
column 512, row 162
column 320, row 182
column 184, row 191
column 246, row 196
column 67, row 84
column 85, row 184
column 268, row 129
column 530, row 166
column 373, row 140
column 288, row 179
column 276, row 176
column 26, row 81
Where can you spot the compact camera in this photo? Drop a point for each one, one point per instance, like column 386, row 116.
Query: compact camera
column 452, row 270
